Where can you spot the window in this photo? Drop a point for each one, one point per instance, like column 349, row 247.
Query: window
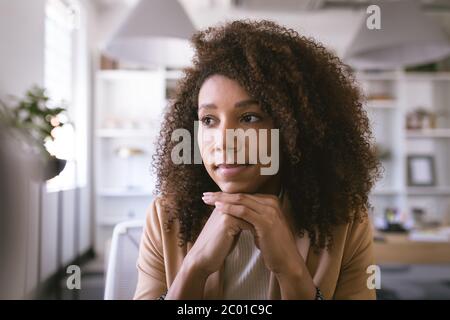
column 61, row 31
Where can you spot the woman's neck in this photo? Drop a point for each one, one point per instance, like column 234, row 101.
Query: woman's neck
column 272, row 186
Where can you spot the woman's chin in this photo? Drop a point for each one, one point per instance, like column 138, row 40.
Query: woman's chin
column 236, row 187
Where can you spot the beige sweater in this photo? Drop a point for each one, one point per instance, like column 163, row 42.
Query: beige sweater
column 339, row 273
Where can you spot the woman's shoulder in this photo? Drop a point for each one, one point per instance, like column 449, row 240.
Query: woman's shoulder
column 160, row 206
column 159, row 218
column 359, row 229
column 353, row 237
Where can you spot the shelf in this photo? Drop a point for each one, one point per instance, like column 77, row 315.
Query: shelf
column 428, row 133
column 438, row 235
column 377, row 76
column 413, row 191
column 126, row 133
column 409, row 76
column 174, row 74
column 121, row 192
column 124, row 74
column 381, row 104
column 385, row 192
column 427, row 76
column 428, row 191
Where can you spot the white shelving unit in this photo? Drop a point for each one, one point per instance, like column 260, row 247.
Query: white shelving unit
column 128, row 114
column 428, row 134
column 402, row 92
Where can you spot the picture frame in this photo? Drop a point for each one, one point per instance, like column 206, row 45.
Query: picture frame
column 421, row 170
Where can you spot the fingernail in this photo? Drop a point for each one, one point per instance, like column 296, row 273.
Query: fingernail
column 207, row 194
column 206, row 199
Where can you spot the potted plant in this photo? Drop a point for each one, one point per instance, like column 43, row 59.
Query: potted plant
column 33, row 121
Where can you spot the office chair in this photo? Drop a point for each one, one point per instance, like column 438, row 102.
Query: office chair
column 121, row 274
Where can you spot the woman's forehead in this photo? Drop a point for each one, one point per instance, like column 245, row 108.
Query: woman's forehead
column 218, row 90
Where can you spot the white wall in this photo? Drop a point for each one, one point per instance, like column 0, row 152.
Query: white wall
column 21, row 45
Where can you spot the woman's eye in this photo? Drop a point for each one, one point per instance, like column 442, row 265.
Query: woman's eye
column 250, row 118
column 207, row 121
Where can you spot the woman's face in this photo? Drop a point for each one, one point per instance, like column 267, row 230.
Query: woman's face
column 223, row 105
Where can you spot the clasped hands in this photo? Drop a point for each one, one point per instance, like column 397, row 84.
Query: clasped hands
column 263, row 216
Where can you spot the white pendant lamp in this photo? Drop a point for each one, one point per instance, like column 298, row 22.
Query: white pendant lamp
column 156, row 33
column 407, row 37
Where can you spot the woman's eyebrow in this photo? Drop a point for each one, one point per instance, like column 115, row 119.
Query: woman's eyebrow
column 240, row 104
column 246, row 103
column 207, row 106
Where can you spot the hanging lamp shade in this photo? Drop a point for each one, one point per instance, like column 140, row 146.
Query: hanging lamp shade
column 155, row 33
column 407, row 37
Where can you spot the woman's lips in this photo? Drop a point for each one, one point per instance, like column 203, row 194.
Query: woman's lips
column 230, row 170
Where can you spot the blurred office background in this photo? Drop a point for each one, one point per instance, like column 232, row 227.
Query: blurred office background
column 113, row 66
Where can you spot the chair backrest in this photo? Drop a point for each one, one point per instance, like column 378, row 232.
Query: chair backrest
column 121, row 274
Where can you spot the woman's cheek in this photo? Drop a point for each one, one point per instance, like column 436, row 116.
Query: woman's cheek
column 206, row 145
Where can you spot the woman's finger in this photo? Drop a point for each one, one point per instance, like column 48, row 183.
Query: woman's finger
column 266, row 199
column 239, row 211
column 238, row 199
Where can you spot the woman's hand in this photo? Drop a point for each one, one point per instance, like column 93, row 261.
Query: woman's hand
column 207, row 255
column 215, row 242
column 272, row 236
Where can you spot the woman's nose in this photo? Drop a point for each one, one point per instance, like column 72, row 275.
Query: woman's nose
column 225, row 140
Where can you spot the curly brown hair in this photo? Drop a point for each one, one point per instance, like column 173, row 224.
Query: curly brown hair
column 328, row 161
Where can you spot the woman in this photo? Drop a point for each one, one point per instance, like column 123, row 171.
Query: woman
column 226, row 231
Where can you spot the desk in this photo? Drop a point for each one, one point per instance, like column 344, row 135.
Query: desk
column 398, row 248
